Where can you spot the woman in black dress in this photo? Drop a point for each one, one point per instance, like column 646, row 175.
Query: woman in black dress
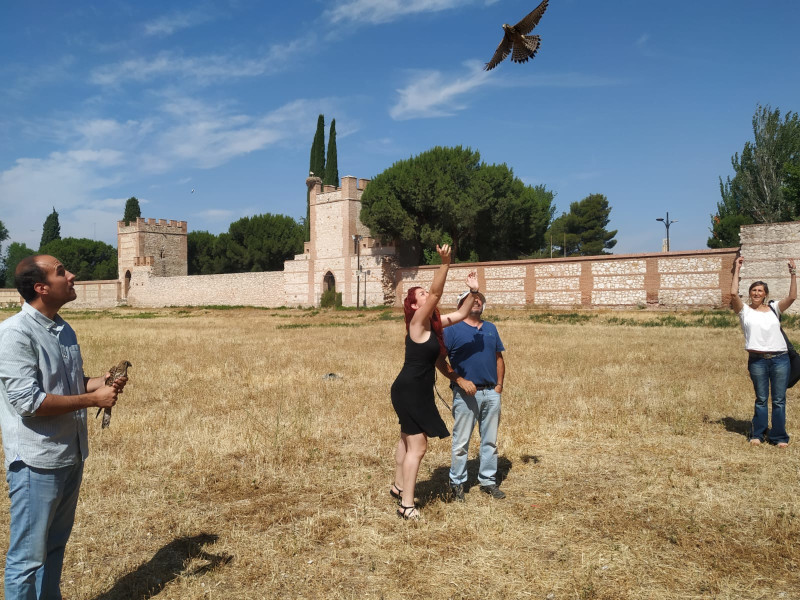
column 412, row 391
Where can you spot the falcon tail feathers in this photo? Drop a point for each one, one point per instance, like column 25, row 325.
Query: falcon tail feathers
column 522, row 53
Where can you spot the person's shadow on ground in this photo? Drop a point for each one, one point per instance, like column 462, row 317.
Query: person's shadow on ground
column 734, row 425
column 167, row 564
column 438, row 486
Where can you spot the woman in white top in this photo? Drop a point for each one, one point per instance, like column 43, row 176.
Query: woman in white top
column 769, row 361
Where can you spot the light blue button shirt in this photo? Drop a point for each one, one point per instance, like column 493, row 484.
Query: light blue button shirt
column 39, row 356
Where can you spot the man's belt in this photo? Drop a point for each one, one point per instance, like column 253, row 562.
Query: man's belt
column 491, row 386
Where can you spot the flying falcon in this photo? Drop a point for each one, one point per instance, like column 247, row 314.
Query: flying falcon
column 120, row 370
column 517, row 41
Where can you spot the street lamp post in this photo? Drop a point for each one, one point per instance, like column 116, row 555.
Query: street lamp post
column 667, row 223
column 357, row 241
column 366, row 274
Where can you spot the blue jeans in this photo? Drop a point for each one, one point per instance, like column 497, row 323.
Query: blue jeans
column 766, row 373
column 43, row 505
column 483, row 407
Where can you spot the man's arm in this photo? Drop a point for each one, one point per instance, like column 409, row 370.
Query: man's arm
column 501, row 373
column 449, row 372
column 53, row 404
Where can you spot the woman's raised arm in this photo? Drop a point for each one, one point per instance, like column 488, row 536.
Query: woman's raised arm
column 787, row 302
column 736, row 302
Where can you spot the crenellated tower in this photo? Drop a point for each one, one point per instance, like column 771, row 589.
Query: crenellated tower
column 159, row 245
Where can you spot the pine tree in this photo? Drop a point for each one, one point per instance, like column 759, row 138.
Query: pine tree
column 132, row 210
column 51, row 229
column 331, row 166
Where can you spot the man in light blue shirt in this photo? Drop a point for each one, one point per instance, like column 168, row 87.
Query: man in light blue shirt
column 43, row 400
column 475, row 352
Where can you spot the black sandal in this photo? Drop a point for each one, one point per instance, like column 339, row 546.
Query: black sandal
column 398, row 495
column 408, row 513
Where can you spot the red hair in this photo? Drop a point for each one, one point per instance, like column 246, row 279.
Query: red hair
column 436, row 320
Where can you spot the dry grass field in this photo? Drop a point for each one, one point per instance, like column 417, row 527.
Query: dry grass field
column 232, row 469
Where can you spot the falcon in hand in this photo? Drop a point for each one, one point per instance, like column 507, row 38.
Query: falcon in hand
column 120, row 370
column 516, row 39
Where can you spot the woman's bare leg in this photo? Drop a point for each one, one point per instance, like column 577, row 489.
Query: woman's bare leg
column 415, row 447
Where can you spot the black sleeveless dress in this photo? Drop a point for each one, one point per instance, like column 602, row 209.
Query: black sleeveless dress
column 412, row 391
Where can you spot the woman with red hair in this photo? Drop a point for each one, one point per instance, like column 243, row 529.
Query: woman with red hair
column 412, row 391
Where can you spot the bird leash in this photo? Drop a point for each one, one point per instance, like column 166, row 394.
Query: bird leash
column 435, row 377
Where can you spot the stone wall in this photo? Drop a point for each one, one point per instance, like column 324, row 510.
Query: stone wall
column 234, row 289
column 675, row 279
column 766, row 250
column 97, row 294
column 10, row 297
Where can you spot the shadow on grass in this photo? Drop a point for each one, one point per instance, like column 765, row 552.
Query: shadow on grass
column 438, row 486
column 166, row 565
column 735, row 425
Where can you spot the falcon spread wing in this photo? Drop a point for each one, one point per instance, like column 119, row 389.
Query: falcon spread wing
column 514, row 38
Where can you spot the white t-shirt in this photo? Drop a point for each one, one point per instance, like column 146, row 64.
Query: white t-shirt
column 762, row 329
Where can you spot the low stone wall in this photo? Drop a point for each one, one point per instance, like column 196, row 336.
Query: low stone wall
column 700, row 278
column 10, row 297
column 97, row 294
column 233, row 289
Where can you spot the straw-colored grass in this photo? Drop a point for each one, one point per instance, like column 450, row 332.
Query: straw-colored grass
column 232, row 469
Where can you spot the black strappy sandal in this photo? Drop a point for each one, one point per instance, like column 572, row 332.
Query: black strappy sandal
column 408, row 513
column 397, row 495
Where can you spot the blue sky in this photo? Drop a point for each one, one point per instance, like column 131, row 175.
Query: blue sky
column 639, row 100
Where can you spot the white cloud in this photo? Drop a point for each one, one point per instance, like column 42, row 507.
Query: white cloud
column 97, row 154
column 203, row 70
column 384, row 11
column 169, row 24
column 433, row 94
column 67, row 180
column 643, row 39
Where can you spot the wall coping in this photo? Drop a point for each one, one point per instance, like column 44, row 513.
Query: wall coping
column 594, row 258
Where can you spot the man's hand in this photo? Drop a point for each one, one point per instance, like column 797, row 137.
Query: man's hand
column 499, row 388
column 119, row 383
column 467, row 386
column 104, row 396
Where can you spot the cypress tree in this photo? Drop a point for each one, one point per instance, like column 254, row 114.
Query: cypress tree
column 132, row 210
column 331, row 166
column 316, row 165
column 51, row 230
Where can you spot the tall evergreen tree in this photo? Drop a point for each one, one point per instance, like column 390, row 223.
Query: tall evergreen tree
column 317, row 163
column 132, row 210
column 316, row 166
column 331, row 164
column 51, row 229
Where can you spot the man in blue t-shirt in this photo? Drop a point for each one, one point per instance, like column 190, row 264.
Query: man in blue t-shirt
column 476, row 377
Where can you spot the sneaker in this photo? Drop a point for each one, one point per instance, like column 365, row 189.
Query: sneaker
column 493, row 491
column 755, row 442
column 457, row 490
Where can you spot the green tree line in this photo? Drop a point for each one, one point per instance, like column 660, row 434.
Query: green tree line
column 258, row 243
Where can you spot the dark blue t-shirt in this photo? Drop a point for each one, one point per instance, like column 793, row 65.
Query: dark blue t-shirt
column 473, row 351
